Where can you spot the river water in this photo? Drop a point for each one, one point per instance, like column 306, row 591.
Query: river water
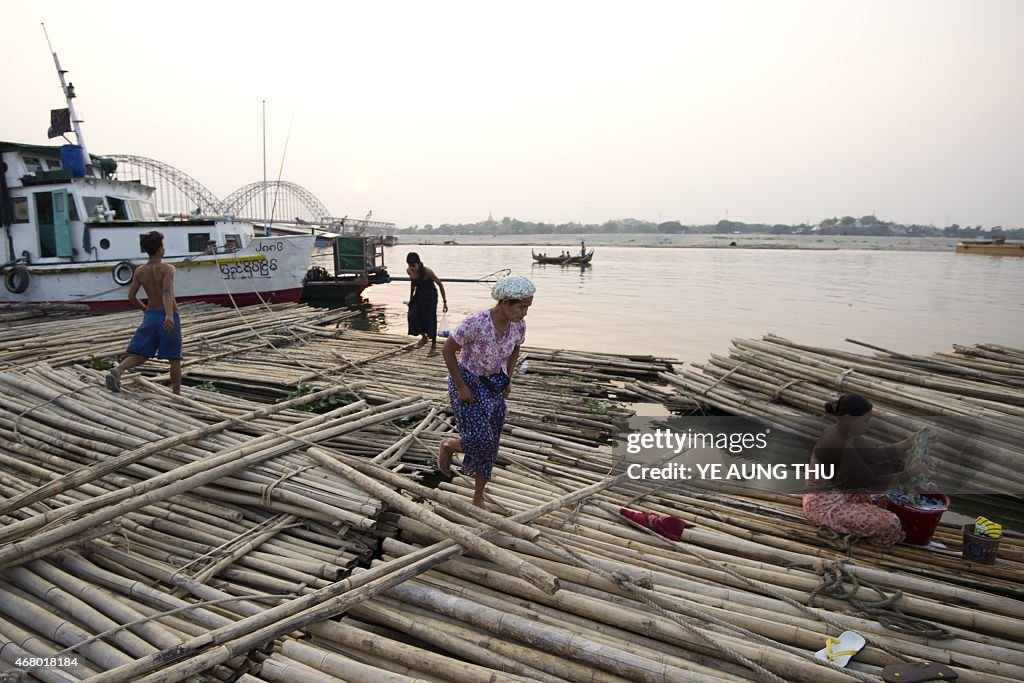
column 648, row 294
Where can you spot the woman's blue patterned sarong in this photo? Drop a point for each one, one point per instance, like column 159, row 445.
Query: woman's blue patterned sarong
column 479, row 422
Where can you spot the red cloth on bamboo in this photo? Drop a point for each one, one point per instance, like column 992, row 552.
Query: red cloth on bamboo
column 669, row 526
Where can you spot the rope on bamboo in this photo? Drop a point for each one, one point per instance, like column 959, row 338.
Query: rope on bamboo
column 171, row 613
column 885, row 611
column 778, row 392
column 643, row 594
column 840, row 542
column 228, row 546
column 17, row 420
column 269, row 488
column 842, row 378
column 721, row 379
column 637, row 587
column 769, row 591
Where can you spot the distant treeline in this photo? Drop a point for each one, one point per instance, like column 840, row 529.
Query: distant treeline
column 847, row 225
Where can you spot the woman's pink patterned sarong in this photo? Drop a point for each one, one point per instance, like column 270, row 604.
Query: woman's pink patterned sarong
column 854, row 514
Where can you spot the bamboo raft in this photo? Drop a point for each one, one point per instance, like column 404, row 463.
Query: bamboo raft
column 978, row 390
column 227, row 534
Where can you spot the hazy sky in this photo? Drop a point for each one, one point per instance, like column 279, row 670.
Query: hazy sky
column 432, row 112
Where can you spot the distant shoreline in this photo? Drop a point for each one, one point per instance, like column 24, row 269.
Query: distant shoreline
column 718, row 242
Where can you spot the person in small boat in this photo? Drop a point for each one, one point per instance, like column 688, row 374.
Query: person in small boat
column 159, row 333
column 480, row 379
column 423, row 301
column 845, row 503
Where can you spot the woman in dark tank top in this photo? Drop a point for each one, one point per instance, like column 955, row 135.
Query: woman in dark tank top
column 845, row 502
column 423, row 301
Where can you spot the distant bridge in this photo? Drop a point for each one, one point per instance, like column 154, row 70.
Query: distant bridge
column 178, row 193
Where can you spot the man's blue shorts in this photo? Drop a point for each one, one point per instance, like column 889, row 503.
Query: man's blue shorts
column 151, row 339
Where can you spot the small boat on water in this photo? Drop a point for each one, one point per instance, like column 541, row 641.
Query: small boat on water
column 69, row 232
column 578, row 260
column 997, row 246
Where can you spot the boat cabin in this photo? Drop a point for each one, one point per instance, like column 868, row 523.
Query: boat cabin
column 56, row 208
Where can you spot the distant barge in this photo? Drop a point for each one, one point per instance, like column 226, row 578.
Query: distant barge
column 997, row 246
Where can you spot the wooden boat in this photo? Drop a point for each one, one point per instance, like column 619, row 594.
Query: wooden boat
column 358, row 263
column 564, row 260
column 997, row 246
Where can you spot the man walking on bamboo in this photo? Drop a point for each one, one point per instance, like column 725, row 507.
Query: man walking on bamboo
column 159, row 334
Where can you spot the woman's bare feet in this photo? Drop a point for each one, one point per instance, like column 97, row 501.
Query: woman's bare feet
column 444, row 456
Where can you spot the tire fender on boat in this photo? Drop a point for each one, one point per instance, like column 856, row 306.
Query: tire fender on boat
column 124, row 272
column 17, row 279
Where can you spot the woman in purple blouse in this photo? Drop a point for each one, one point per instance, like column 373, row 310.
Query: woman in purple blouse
column 480, row 379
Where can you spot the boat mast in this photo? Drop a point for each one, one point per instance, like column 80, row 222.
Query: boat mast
column 69, row 94
column 265, row 168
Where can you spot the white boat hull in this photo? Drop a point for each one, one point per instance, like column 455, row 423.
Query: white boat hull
column 267, row 269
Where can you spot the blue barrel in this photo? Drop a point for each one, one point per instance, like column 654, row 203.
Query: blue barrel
column 72, row 159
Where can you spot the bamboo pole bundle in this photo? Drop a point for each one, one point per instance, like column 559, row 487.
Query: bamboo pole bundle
column 504, row 583
column 743, row 400
column 347, row 668
column 197, row 474
column 948, row 444
column 17, row 642
column 922, row 582
column 82, row 612
column 540, row 579
column 280, row 668
column 562, row 642
column 769, row 620
column 627, row 628
column 470, row 645
column 206, row 326
column 15, row 606
column 380, row 647
column 310, row 608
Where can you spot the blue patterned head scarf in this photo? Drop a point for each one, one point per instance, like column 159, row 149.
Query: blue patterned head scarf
column 513, row 287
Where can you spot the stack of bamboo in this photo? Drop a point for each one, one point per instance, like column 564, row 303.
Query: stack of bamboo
column 17, row 314
column 732, row 602
column 159, row 495
column 208, row 331
column 211, row 537
column 205, row 497
column 974, row 410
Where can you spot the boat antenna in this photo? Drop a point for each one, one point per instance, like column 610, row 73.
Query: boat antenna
column 264, row 160
column 69, row 95
column 280, row 170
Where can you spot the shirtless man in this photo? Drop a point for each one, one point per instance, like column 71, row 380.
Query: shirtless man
column 159, row 334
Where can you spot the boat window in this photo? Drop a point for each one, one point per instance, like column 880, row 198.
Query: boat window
column 93, row 206
column 72, row 208
column 136, row 210
column 20, row 205
column 148, row 212
column 33, row 164
column 197, row 241
column 118, row 207
column 233, row 242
